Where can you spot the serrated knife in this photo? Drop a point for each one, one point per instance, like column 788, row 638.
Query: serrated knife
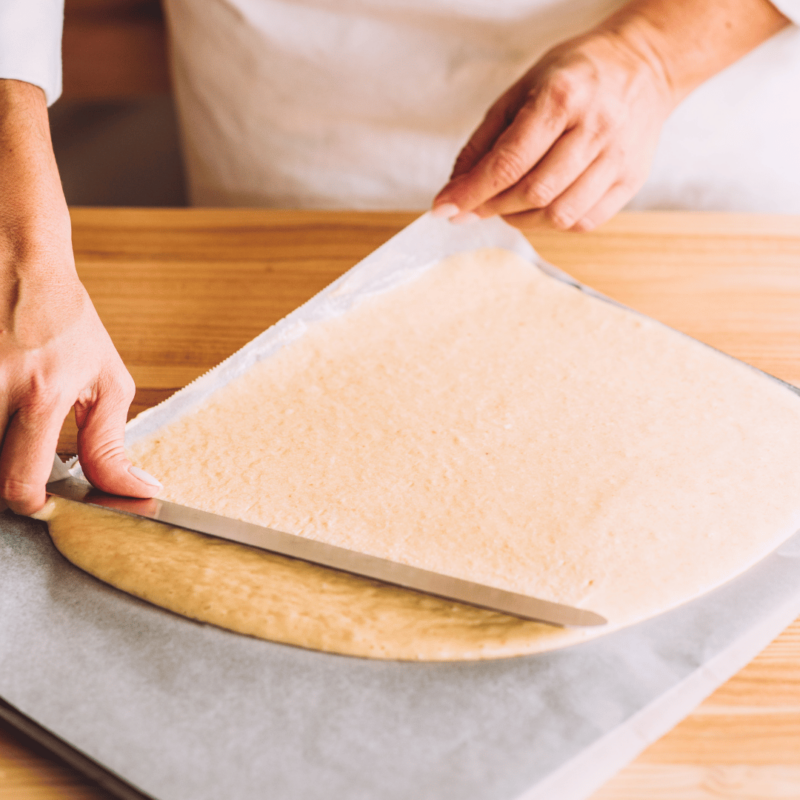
column 63, row 484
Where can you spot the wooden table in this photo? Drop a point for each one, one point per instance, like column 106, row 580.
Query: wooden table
column 179, row 290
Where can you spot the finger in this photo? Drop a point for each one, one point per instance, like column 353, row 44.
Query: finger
column 608, row 205
column 564, row 164
column 4, row 418
column 529, row 220
column 572, row 205
column 101, row 448
column 27, row 458
column 613, row 200
column 568, row 210
column 517, row 150
column 497, row 119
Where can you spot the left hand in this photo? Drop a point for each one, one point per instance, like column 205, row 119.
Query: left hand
column 570, row 142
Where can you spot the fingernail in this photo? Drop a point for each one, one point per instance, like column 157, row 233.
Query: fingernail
column 144, row 477
column 445, row 211
column 467, row 218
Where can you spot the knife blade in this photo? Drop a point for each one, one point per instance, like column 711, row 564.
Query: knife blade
column 62, row 484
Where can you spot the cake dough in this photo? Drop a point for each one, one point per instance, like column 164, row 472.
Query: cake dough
column 482, row 420
column 282, row 599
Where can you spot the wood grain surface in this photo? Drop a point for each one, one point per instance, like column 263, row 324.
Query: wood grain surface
column 180, row 290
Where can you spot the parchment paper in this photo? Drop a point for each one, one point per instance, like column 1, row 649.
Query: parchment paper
column 416, row 248
column 185, row 711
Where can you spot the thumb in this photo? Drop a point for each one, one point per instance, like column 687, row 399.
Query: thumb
column 101, row 448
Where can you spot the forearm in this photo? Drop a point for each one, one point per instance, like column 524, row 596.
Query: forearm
column 33, row 211
column 689, row 41
column 36, row 263
column 54, row 351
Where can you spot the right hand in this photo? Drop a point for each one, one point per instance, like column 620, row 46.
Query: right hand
column 54, row 350
column 569, row 143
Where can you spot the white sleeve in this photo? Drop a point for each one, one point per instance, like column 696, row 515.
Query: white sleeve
column 789, row 8
column 30, row 43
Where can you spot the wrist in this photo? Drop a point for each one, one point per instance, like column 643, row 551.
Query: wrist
column 650, row 48
column 32, row 202
column 39, row 298
column 35, row 230
column 686, row 42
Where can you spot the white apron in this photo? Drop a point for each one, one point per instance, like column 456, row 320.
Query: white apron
column 366, row 103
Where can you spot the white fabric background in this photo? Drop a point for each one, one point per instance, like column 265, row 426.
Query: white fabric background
column 791, row 8
column 365, row 103
column 734, row 143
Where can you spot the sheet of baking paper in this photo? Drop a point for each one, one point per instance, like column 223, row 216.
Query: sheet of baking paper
column 416, row 248
column 187, row 711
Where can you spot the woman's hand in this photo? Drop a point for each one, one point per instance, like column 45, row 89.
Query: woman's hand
column 572, row 141
column 54, row 351
column 568, row 144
